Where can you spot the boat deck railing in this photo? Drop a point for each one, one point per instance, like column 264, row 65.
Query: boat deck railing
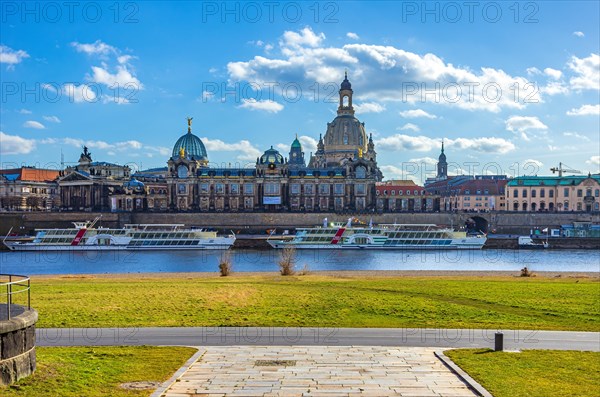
column 10, row 285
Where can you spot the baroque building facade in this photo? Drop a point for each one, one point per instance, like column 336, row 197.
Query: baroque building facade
column 340, row 176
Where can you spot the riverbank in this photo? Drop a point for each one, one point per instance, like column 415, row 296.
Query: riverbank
column 334, row 299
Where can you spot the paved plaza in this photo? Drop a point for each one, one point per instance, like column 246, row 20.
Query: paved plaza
column 317, row 371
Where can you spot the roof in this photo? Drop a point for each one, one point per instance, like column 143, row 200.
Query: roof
column 190, row 146
column 104, row 164
column 551, row 180
column 30, row 174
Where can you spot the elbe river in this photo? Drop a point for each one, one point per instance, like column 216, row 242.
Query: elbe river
column 103, row 262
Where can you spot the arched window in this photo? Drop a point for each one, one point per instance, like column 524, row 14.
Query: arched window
column 182, row 171
column 524, row 206
column 345, row 101
column 361, row 172
column 515, row 206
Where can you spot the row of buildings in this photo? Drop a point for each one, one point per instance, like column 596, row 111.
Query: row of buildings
column 342, row 175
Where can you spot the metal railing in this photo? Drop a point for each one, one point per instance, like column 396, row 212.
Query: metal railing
column 14, row 284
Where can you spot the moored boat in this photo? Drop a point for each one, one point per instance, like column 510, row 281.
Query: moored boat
column 381, row 237
column 85, row 237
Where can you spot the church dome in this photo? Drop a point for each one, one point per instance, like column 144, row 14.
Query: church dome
column 345, row 130
column 271, row 156
column 296, row 144
column 191, row 147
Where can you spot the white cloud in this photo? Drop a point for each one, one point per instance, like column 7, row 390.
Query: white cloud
column 409, row 127
column 585, row 110
column 401, row 142
column 533, row 71
column 578, row 34
column 95, row 48
column 381, row 73
column 484, row 145
column 34, row 124
column 537, row 163
column 575, row 135
column 554, row 88
column 391, row 172
column 352, row 36
column 369, row 107
column 309, row 144
column 407, row 142
column 207, row 95
column 122, row 78
column 523, row 124
column 553, row 73
column 25, row 111
column 79, row 93
column 14, row 144
column 594, row 160
column 416, row 113
column 52, row 119
column 247, row 151
column 306, row 37
column 587, row 72
column 263, row 105
column 424, row 160
column 11, row 57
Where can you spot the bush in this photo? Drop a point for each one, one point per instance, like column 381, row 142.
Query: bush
column 225, row 264
column 287, row 262
column 526, row 272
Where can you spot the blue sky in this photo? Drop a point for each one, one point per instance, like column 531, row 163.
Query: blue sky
column 510, row 87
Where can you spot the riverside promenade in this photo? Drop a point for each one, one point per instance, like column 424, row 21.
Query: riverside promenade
column 272, row 361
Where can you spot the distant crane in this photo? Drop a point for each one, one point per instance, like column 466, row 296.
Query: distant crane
column 560, row 170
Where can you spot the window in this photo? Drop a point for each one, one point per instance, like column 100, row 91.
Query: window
column 234, row 188
column 248, row 188
column 393, row 192
column 271, row 188
column 360, row 188
column 566, row 192
column 524, row 193
column 542, row 192
column 550, row 193
column 309, row 188
column 400, row 191
column 588, row 192
column 486, row 191
column 385, row 192
column 415, row 192
column 219, row 188
column 533, row 193
column 182, row 171
column 515, row 193
column 361, row 172
column 579, row 192
column 579, row 206
column 596, row 192
column 295, row 188
column 467, row 191
column 324, row 188
column 182, row 188
column 339, row 188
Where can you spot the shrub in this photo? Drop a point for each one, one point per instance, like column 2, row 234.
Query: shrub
column 287, row 262
column 225, row 264
column 526, row 272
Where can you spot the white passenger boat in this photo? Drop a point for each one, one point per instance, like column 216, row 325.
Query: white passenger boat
column 380, row 237
column 85, row 237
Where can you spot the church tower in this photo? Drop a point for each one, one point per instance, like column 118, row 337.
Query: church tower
column 442, row 165
column 296, row 159
column 345, row 107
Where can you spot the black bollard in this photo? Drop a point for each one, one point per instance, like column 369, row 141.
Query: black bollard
column 499, row 342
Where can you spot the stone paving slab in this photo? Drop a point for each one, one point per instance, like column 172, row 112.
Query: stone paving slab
column 326, row 371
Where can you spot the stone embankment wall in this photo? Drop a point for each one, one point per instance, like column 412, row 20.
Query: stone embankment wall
column 500, row 222
column 17, row 346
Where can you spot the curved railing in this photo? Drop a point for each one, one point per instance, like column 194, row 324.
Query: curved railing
column 12, row 284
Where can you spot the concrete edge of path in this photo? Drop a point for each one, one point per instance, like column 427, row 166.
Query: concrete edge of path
column 177, row 375
column 472, row 383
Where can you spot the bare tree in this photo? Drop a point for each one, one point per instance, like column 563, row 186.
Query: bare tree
column 287, row 262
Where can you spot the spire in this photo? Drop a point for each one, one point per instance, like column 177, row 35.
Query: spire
column 442, row 146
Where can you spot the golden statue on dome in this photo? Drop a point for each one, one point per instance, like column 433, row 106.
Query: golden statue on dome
column 189, row 120
column 182, row 152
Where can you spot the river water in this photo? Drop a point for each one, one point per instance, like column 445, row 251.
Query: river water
column 29, row 263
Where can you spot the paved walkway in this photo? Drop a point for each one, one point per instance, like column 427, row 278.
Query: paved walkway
column 317, row 371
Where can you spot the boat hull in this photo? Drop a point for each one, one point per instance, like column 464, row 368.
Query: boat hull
column 468, row 246
column 42, row 247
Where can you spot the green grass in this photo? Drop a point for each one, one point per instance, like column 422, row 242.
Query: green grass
column 98, row 371
column 532, row 373
column 318, row 300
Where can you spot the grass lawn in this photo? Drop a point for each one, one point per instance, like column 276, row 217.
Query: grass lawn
column 98, row 371
column 532, row 373
column 318, row 300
